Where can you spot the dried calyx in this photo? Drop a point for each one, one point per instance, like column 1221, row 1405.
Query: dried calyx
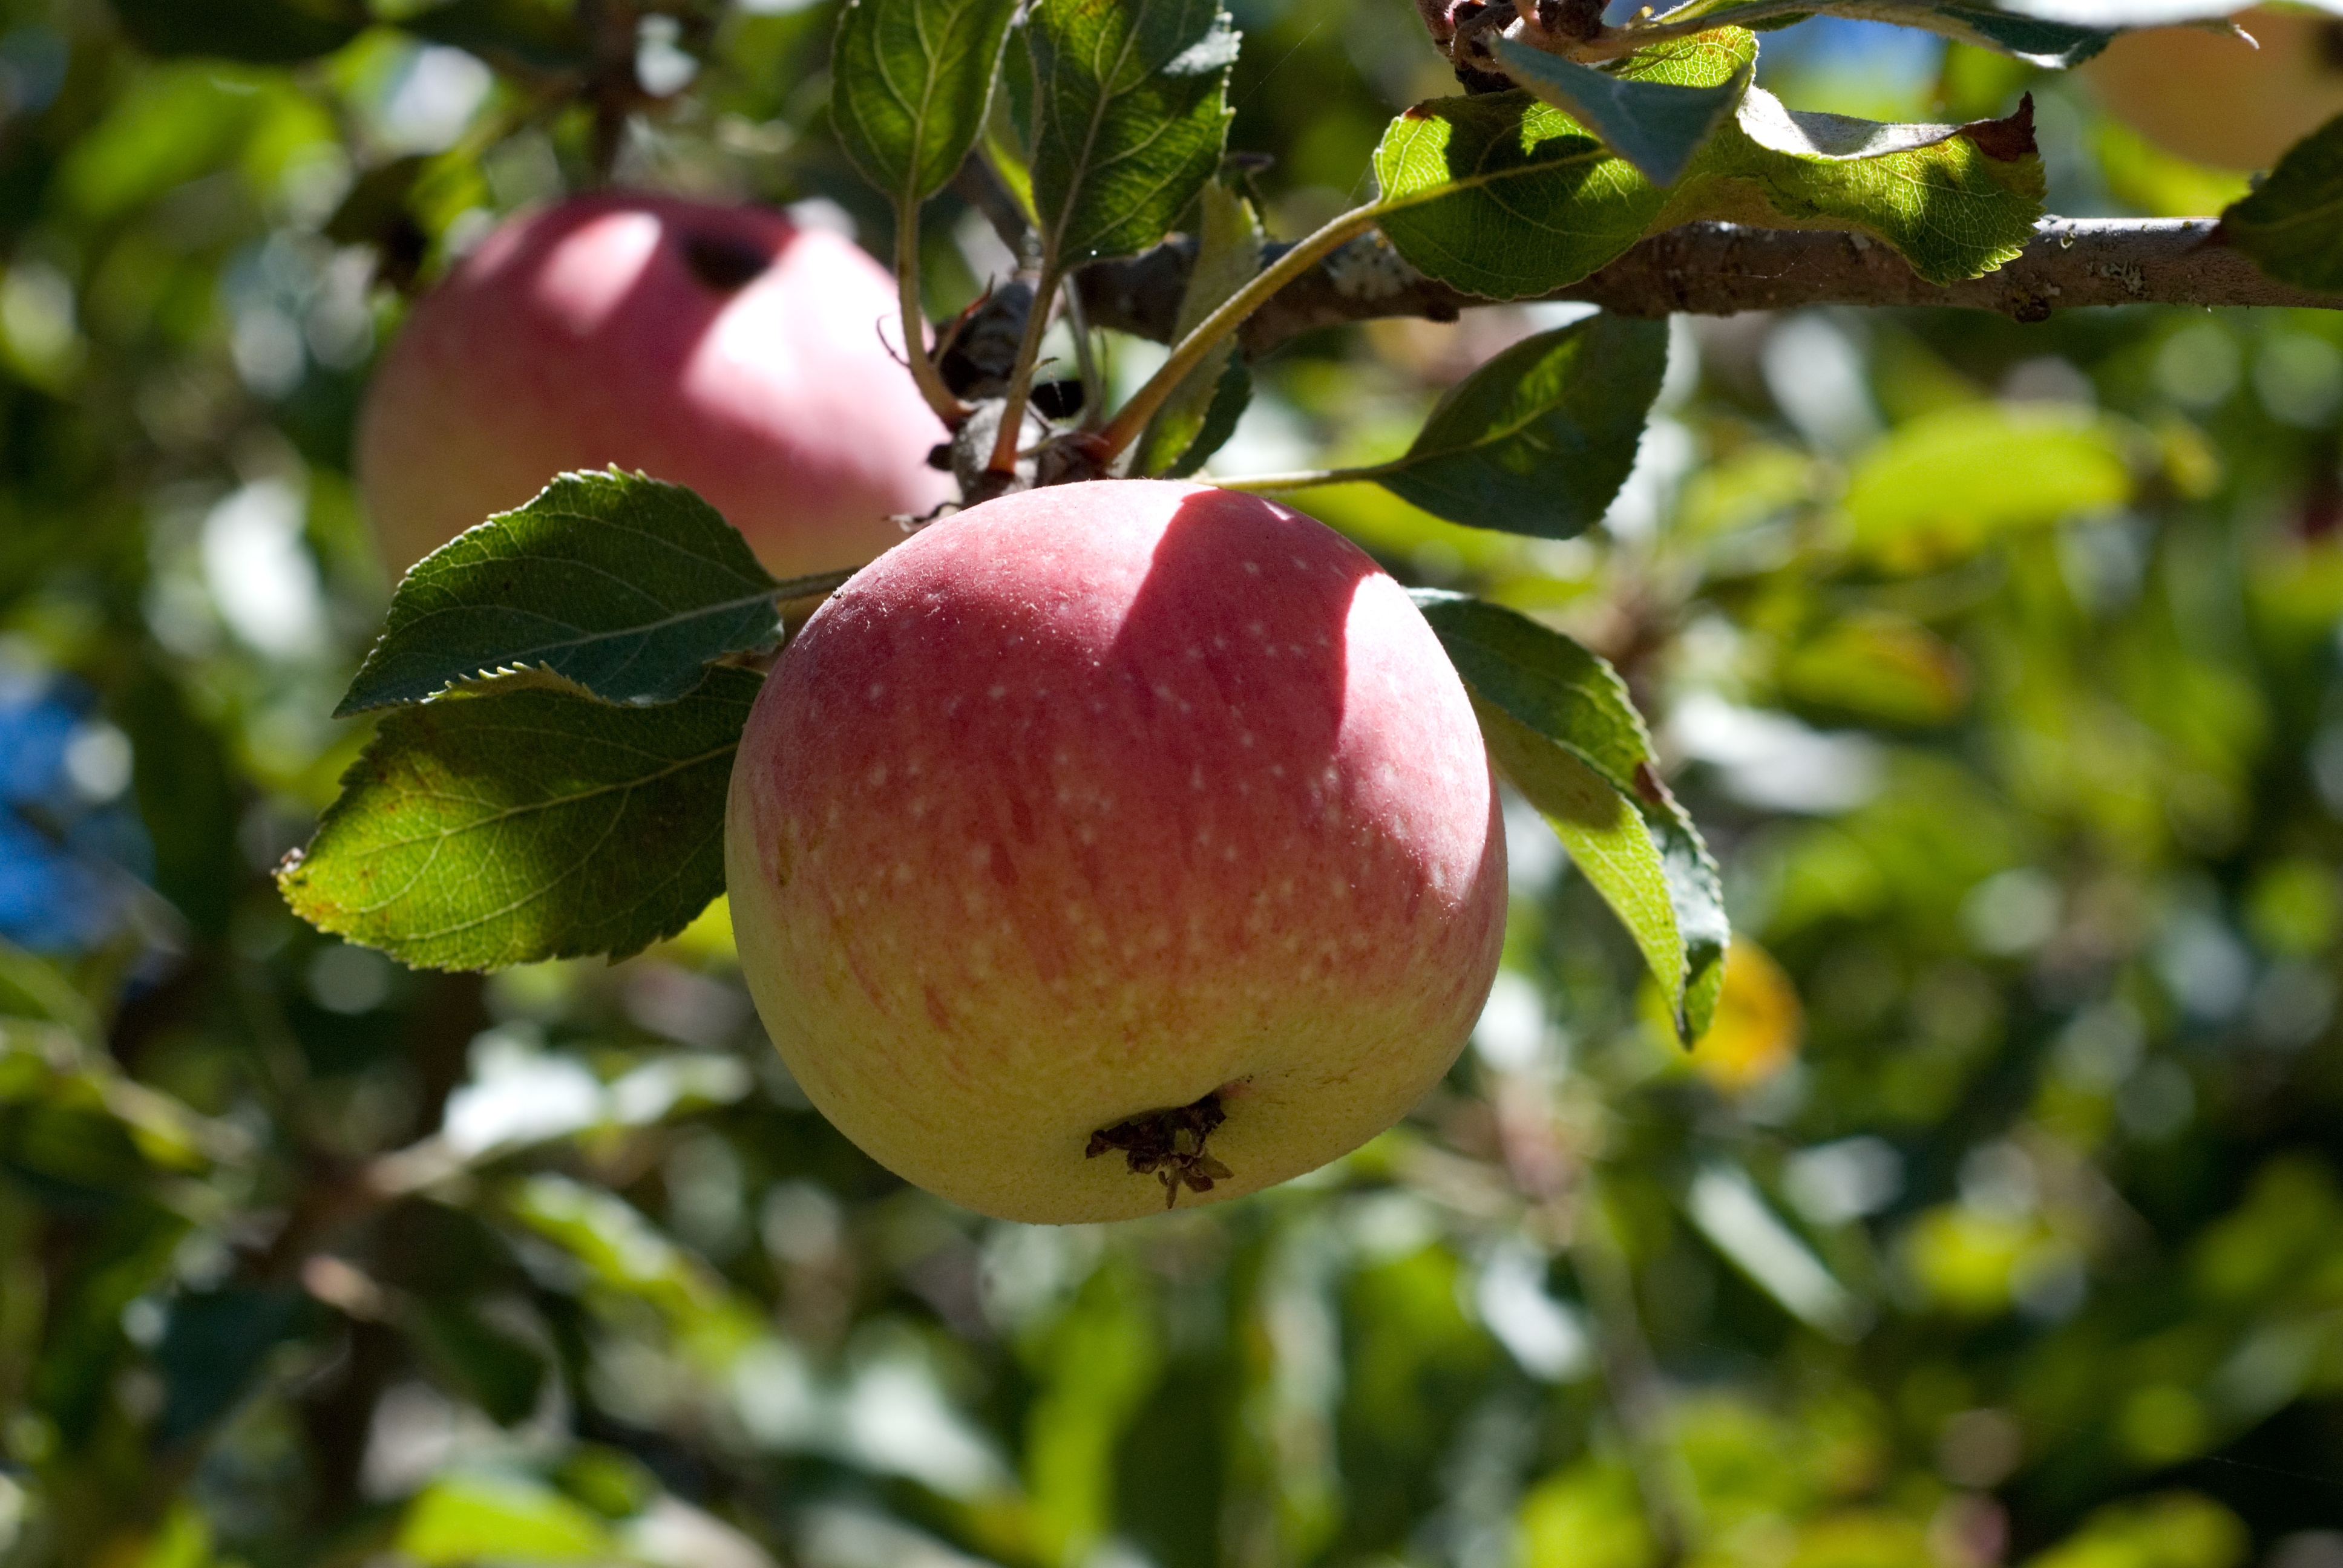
column 1168, row 1145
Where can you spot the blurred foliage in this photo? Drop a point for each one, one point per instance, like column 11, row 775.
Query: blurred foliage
column 1996, row 1221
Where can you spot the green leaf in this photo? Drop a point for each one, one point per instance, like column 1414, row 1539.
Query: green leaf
column 622, row 583
column 1955, row 201
column 1655, row 125
column 513, row 825
column 1130, row 114
column 1539, row 439
column 33, row 988
column 1554, row 701
column 910, row 83
column 265, row 32
column 2292, row 227
column 1228, row 257
column 1946, row 483
column 461, row 1519
column 1504, row 196
column 1501, row 195
column 1606, row 838
column 215, row 1345
column 1231, row 397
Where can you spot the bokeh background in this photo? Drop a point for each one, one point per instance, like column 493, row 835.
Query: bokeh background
column 1997, row 1221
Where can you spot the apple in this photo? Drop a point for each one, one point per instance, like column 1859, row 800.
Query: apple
column 2218, row 100
column 1114, row 844
column 722, row 347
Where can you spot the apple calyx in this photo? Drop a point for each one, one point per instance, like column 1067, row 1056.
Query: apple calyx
column 1168, row 1145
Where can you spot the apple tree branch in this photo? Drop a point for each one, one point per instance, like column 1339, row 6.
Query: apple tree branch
column 1719, row 269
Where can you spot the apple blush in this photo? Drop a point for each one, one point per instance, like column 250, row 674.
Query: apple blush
column 1114, row 845
column 721, row 348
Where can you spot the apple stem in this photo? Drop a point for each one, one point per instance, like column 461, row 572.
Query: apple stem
column 930, row 380
column 1168, row 1145
column 1125, row 426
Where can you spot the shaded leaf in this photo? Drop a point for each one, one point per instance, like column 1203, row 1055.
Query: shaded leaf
column 1231, row 397
column 529, row 35
column 622, row 583
column 502, row 828
column 1228, row 257
column 1558, row 698
column 185, row 786
column 269, row 32
column 1655, row 125
column 2292, row 227
column 213, row 1344
column 1539, row 439
column 1129, row 113
column 910, row 84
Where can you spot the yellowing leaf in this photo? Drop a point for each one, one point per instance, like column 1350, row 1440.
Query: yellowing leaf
column 1758, row 1024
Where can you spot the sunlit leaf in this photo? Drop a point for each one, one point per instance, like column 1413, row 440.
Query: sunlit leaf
column 1504, row 197
column 1561, row 698
column 1945, row 484
column 464, row 1518
column 483, row 830
column 620, row 584
column 1501, row 195
column 910, row 81
column 1129, row 111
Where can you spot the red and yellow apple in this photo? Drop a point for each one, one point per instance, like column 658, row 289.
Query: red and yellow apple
column 1094, row 801
column 2215, row 98
column 722, row 347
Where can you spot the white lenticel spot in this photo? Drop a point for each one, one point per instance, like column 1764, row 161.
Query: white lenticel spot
column 979, row 856
column 1277, row 770
column 1253, row 568
column 878, row 774
column 1244, row 737
column 902, row 872
column 996, row 692
column 1196, row 777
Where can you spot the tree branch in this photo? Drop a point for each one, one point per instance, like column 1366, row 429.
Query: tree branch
column 1718, row 269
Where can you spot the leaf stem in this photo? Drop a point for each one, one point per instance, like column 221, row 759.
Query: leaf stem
column 947, row 407
column 1125, row 426
column 1301, row 480
column 1020, row 378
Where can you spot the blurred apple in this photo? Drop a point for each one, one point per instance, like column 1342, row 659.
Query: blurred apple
column 1097, row 813
column 2216, row 99
column 722, row 347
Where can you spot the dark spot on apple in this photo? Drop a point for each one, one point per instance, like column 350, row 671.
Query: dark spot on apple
column 1168, row 1145
column 725, row 262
